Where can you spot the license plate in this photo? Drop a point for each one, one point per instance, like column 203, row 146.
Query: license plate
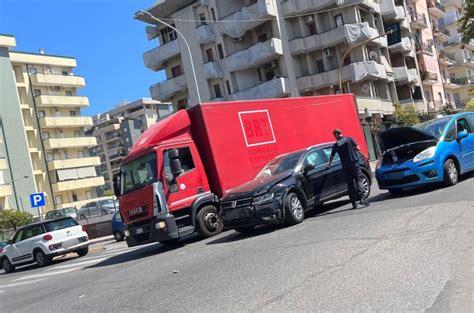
column 139, row 231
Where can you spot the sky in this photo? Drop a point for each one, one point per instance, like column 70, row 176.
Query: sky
column 107, row 42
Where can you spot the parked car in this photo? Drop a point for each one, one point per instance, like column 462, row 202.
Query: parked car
column 96, row 208
column 40, row 242
column 71, row 212
column 288, row 186
column 118, row 227
column 435, row 151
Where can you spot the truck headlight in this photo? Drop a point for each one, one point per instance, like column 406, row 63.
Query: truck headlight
column 263, row 198
column 127, row 233
column 425, row 154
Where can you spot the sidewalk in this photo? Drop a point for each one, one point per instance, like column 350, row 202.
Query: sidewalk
column 101, row 240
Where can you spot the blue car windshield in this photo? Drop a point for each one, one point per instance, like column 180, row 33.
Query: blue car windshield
column 434, row 127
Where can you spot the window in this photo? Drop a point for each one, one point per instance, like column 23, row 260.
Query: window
column 220, row 51
column 60, row 224
column 77, row 133
column 18, row 236
column 347, row 59
column 320, row 66
column 262, row 37
column 210, row 55
column 41, row 113
column 229, row 91
column 80, row 154
column 168, row 34
column 187, row 163
column 68, row 93
column 462, row 125
column 139, row 173
column 33, row 70
column 327, row 152
column 58, row 199
column 312, row 28
column 88, row 195
column 315, row 158
column 32, row 231
column 72, row 113
column 37, row 92
column 451, row 133
column 338, row 20
column 45, row 135
column 213, row 13
column 65, row 72
column 217, row 91
column 176, row 71
column 182, row 104
column 202, row 18
column 74, row 197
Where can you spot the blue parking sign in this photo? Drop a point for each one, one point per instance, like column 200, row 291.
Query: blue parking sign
column 37, row 199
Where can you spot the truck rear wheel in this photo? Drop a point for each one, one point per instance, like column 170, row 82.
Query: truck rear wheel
column 208, row 222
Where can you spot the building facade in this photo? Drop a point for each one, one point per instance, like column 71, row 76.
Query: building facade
column 117, row 130
column 45, row 147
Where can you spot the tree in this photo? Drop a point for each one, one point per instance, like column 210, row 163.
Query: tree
column 448, row 109
column 470, row 105
column 108, row 193
column 466, row 23
column 406, row 115
column 14, row 219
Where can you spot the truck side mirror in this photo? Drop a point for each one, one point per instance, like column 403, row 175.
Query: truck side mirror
column 116, row 185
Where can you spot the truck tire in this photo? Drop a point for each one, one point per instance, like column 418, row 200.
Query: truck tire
column 208, row 222
column 451, row 173
column 294, row 209
column 7, row 266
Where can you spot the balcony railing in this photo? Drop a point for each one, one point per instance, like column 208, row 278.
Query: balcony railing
column 463, row 80
column 156, row 58
column 424, row 47
column 258, row 54
column 165, row 90
column 71, row 163
column 447, row 57
column 418, row 21
column 65, row 121
column 436, row 8
column 275, row 88
column 429, row 77
column 61, row 101
column 40, row 79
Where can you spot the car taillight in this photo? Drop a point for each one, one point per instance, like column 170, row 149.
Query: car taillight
column 47, row 237
column 84, row 229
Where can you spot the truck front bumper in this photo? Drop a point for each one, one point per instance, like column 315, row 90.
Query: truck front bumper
column 158, row 229
column 265, row 213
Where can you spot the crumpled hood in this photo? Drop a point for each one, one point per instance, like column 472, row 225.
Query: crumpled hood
column 255, row 187
column 399, row 136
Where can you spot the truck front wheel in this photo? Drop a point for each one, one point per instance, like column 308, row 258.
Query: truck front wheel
column 208, row 222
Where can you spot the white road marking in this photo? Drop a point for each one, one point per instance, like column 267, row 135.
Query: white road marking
column 77, row 264
column 47, row 274
column 21, row 283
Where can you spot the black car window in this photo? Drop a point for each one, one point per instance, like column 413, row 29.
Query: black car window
column 451, row 133
column 462, row 125
column 327, row 152
column 60, row 224
column 315, row 158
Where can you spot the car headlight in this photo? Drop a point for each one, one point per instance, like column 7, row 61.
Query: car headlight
column 263, row 198
column 425, row 154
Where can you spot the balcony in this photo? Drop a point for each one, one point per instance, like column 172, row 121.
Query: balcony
column 405, row 46
column 424, row 47
column 3, row 164
column 204, row 34
column 66, row 81
column 355, row 72
column 296, row 7
column 404, row 75
column 72, row 163
column 73, row 142
column 258, row 54
column 429, row 78
column 390, row 11
column 463, row 81
column 453, row 42
column 65, row 122
column 456, row 3
column 441, row 34
column 449, row 19
column 447, row 58
column 5, row 190
column 436, row 9
column 375, row 105
column 156, row 58
column 418, row 21
column 165, row 90
column 212, row 70
column 350, row 33
column 76, row 184
column 45, row 101
column 238, row 23
column 275, row 88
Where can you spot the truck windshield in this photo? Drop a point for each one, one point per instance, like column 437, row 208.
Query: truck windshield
column 139, row 173
column 280, row 165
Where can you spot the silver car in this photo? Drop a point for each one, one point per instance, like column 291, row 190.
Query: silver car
column 97, row 208
column 58, row 213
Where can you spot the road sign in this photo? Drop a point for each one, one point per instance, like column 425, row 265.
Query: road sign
column 37, row 199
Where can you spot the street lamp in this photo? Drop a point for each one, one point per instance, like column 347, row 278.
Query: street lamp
column 185, row 41
column 18, row 178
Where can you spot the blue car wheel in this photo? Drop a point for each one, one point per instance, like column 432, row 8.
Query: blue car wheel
column 451, row 173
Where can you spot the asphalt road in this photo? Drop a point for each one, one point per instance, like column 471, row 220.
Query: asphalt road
column 413, row 252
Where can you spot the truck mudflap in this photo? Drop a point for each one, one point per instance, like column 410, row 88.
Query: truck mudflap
column 158, row 229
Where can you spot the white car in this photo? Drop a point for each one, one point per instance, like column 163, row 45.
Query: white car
column 41, row 242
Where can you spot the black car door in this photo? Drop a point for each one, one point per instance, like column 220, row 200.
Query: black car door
column 337, row 175
column 315, row 181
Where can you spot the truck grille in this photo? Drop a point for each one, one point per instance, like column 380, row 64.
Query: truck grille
column 236, row 204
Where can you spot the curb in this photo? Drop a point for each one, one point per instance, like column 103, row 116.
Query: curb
column 101, row 240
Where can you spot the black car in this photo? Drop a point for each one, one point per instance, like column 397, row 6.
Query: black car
column 288, row 186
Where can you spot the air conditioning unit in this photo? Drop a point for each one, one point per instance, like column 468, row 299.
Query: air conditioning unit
column 269, row 66
column 238, row 39
column 308, row 19
column 329, row 52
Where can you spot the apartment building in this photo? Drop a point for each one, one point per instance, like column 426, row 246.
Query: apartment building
column 43, row 132
column 117, row 130
column 456, row 58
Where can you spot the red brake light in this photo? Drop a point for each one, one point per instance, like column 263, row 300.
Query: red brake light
column 84, row 228
column 47, row 237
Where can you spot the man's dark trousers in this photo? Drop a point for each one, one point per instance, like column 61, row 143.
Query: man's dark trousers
column 353, row 176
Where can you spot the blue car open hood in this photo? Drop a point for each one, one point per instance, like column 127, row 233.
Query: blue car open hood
column 399, row 136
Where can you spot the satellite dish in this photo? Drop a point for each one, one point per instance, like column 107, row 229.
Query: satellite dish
column 374, row 56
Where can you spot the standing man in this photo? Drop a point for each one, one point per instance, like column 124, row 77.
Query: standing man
column 348, row 151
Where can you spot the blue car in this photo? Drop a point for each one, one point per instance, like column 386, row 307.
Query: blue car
column 435, row 151
column 118, row 227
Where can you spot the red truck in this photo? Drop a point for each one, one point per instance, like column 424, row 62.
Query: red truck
column 171, row 183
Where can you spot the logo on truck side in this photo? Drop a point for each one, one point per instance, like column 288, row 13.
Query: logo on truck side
column 257, row 127
column 135, row 211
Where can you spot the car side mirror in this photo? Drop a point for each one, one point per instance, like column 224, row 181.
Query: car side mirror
column 463, row 134
column 307, row 168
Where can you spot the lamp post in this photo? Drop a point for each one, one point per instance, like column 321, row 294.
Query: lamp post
column 21, row 198
column 185, row 41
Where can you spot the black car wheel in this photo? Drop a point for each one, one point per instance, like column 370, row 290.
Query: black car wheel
column 119, row 236
column 7, row 266
column 294, row 209
column 451, row 174
column 41, row 258
column 208, row 222
column 83, row 251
